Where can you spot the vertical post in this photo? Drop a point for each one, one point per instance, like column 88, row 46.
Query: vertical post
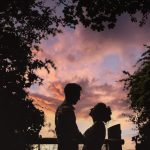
column 114, row 132
column 106, row 146
column 39, row 147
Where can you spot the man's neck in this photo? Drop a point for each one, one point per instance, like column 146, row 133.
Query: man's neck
column 67, row 102
column 96, row 120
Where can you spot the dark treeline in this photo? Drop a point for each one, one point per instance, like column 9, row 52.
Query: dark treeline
column 22, row 25
column 137, row 85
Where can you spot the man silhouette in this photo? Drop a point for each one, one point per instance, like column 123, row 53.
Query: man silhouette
column 65, row 121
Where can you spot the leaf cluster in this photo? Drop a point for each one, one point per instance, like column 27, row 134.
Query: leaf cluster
column 137, row 85
column 99, row 14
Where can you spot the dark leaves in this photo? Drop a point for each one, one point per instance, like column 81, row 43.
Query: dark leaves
column 22, row 26
column 105, row 11
column 137, row 86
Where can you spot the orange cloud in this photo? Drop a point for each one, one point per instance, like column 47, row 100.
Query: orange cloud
column 57, row 90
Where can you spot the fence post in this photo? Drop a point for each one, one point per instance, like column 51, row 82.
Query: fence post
column 114, row 132
column 39, row 147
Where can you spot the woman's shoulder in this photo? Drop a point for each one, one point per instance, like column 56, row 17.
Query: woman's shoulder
column 95, row 128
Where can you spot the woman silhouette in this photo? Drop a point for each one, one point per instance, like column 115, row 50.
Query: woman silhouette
column 95, row 135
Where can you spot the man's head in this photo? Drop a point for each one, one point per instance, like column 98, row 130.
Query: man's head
column 72, row 92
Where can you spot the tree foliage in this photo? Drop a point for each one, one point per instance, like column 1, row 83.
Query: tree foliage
column 138, row 87
column 22, row 26
column 99, row 14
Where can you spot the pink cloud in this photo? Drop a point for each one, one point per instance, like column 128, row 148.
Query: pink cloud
column 81, row 52
column 45, row 103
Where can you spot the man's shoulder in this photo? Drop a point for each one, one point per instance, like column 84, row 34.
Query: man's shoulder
column 65, row 108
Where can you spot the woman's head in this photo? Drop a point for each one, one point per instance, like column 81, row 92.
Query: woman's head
column 101, row 112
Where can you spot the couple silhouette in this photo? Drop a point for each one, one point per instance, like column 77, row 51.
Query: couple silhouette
column 67, row 131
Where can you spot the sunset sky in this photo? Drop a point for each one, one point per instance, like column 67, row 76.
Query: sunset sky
column 95, row 60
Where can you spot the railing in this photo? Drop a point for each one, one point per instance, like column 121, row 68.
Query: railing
column 107, row 142
column 114, row 141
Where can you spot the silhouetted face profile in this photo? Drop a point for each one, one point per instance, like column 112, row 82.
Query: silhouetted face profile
column 101, row 112
column 72, row 93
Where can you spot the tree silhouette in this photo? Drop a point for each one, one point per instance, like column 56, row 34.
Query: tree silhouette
column 137, row 85
column 99, row 14
column 22, row 25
